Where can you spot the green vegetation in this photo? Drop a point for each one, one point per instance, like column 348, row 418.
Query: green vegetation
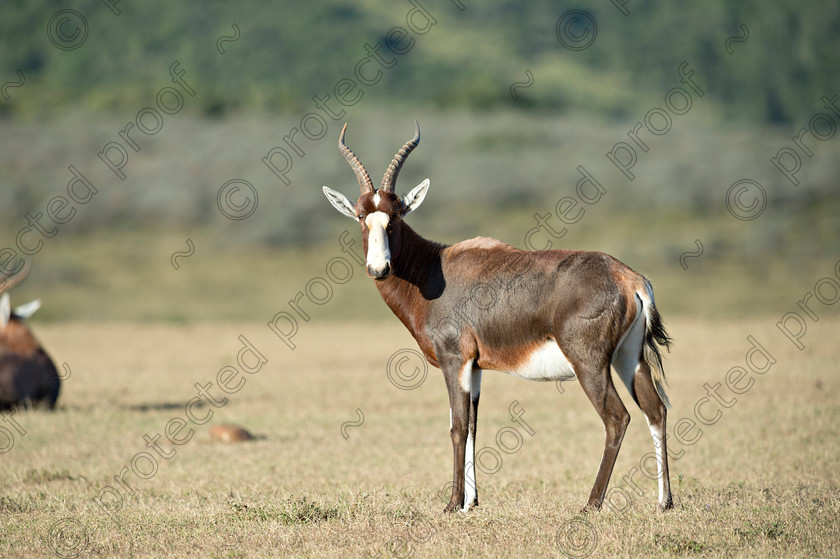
column 289, row 51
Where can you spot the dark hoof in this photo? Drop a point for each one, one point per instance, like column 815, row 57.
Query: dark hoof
column 591, row 507
column 452, row 507
column 669, row 504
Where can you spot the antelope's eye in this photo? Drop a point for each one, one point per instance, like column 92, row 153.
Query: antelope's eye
column 362, row 217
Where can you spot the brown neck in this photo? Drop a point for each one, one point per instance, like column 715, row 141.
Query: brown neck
column 416, row 277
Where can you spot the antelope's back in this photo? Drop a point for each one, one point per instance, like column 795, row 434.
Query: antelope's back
column 504, row 293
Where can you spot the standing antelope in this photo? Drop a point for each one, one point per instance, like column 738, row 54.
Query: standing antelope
column 27, row 374
column 546, row 315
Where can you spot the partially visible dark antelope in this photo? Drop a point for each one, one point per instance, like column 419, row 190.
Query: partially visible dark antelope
column 27, row 374
column 546, row 315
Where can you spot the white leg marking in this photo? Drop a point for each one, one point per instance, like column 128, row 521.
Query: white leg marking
column 470, row 485
column 658, row 439
column 470, row 490
column 465, row 375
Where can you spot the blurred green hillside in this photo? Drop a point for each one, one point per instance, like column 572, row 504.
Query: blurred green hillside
column 289, row 51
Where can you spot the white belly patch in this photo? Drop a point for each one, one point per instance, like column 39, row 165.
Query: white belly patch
column 547, row 362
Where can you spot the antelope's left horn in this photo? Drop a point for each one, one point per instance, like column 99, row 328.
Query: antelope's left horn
column 365, row 184
column 7, row 282
column 390, row 178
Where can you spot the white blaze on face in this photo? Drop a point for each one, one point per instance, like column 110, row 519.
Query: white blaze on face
column 378, row 253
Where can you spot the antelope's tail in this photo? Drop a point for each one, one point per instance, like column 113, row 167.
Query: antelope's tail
column 655, row 336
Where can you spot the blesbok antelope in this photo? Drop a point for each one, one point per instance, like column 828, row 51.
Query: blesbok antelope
column 27, row 374
column 549, row 315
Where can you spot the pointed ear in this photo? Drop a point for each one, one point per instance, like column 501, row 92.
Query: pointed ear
column 5, row 309
column 28, row 309
column 414, row 198
column 341, row 202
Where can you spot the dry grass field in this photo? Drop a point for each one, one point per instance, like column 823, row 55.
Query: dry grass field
column 761, row 481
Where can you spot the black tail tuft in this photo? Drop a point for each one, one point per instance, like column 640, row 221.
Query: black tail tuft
column 657, row 336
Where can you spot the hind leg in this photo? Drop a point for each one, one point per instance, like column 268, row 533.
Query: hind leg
column 634, row 371
column 656, row 414
column 598, row 386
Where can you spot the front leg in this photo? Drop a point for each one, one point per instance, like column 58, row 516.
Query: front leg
column 457, row 379
column 470, row 484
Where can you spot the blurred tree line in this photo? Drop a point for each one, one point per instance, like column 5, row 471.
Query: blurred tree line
column 289, row 51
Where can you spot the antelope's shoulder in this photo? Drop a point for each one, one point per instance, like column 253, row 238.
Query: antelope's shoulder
column 478, row 244
column 482, row 257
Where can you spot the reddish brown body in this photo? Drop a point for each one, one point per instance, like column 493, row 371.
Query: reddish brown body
column 542, row 315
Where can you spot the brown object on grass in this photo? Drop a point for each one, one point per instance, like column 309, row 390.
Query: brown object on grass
column 229, row 434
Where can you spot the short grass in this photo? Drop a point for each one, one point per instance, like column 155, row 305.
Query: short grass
column 761, row 481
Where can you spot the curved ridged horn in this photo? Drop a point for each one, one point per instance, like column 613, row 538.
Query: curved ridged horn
column 365, row 184
column 390, row 178
column 7, row 282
